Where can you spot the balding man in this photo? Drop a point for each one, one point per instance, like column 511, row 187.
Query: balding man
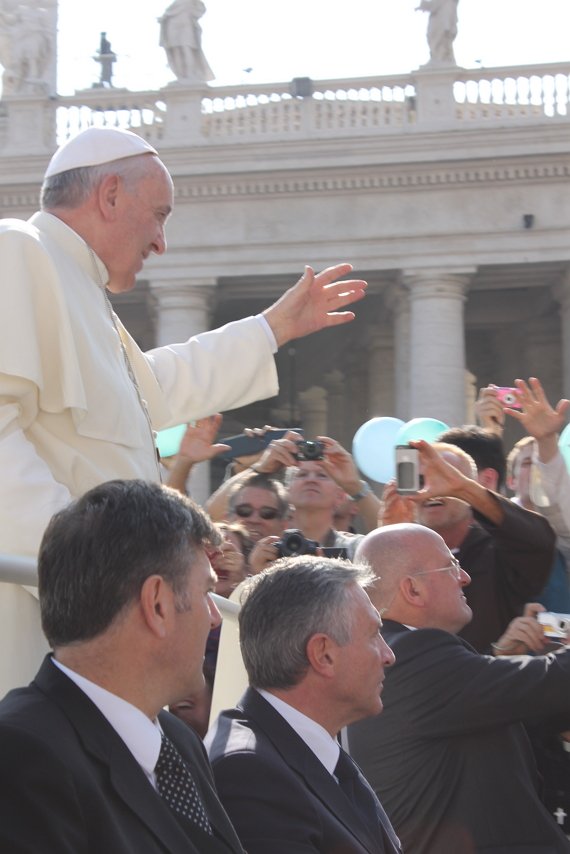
column 507, row 550
column 78, row 399
column 449, row 756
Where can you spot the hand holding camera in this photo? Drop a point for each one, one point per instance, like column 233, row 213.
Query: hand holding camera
column 537, row 416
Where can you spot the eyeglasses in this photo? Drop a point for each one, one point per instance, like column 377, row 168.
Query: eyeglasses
column 247, row 510
column 455, row 568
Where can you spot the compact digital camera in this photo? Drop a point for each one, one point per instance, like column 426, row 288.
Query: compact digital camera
column 309, row 449
column 408, row 477
column 508, row 397
column 554, row 625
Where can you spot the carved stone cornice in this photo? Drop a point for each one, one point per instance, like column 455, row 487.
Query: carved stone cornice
column 373, row 179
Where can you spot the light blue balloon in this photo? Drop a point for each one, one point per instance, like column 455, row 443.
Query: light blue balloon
column 420, row 428
column 168, row 441
column 564, row 445
column 373, row 448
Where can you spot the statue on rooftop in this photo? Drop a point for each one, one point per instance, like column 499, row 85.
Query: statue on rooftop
column 441, row 29
column 26, row 47
column 106, row 57
column 181, row 38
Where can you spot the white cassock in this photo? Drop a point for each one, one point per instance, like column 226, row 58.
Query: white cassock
column 70, row 416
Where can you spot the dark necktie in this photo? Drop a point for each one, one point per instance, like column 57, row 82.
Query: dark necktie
column 360, row 795
column 176, row 786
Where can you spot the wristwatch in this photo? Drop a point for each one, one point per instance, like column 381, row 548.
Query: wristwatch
column 364, row 491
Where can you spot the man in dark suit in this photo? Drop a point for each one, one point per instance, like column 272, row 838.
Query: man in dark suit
column 449, row 756
column 315, row 659
column 90, row 762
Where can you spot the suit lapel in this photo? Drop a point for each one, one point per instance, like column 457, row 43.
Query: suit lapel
column 303, row 761
column 102, row 743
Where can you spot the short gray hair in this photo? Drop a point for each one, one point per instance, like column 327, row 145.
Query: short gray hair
column 286, row 605
column 71, row 188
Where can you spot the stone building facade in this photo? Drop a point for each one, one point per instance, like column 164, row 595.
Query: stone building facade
column 447, row 189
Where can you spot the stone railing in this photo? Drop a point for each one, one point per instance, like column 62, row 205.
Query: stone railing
column 143, row 112
column 338, row 106
column 534, row 91
column 306, row 109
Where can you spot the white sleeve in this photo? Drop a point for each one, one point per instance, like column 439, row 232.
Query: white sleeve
column 555, row 480
column 212, row 372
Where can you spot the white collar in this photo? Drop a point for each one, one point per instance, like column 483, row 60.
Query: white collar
column 141, row 735
column 324, row 746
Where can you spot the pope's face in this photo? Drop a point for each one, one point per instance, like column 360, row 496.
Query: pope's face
column 142, row 209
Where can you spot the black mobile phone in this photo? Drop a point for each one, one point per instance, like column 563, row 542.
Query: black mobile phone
column 242, row 445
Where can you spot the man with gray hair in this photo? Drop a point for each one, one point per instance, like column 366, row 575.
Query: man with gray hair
column 449, row 755
column 79, row 401
column 315, row 660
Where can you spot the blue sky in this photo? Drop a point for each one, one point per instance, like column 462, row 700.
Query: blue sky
column 282, row 39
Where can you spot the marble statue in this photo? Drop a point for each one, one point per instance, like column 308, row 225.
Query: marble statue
column 441, row 30
column 181, row 38
column 26, row 47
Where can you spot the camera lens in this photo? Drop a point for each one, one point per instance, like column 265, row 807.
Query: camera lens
column 310, row 450
column 293, row 544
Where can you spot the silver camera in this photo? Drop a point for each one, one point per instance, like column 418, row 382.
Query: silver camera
column 408, row 478
column 554, row 625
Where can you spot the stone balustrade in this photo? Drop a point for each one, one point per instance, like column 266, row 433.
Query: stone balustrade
column 202, row 114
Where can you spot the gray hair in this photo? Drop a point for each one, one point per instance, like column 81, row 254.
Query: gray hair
column 286, row 605
column 71, row 188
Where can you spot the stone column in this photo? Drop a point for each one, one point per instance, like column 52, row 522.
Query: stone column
column 380, row 348
column 437, row 345
column 335, row 384
column 471, row 393
column 543, row 354
column 562, row 294
column 313, row 405
column 397, row 299
column 356, row 391
column 181, row 311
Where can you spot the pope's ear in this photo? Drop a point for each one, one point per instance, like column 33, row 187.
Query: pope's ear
column 107, row 196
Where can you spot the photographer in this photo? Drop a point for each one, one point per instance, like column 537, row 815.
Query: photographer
column 319, row 474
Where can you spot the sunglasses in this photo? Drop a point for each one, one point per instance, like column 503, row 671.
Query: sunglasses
column 246, row 510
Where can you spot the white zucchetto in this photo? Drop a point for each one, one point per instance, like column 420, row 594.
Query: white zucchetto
column 94, row 146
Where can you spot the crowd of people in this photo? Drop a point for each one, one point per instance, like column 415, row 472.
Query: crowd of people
column 403, row 693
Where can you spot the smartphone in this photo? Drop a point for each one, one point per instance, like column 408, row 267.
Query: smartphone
column 408, row 478
column 243, row 446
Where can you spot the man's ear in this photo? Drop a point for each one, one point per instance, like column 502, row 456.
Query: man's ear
column 321, row 654
column 156, row 601
column 489, row 478
column 412, row 591
column 107, row 196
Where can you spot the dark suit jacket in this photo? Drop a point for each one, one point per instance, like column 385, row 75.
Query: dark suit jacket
column 509, row 565
column 280, row 797
column 449, row 757
column 69, row 784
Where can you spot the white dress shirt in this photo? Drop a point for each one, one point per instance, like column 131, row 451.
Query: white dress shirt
column 323, row 745
column 141, row 735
